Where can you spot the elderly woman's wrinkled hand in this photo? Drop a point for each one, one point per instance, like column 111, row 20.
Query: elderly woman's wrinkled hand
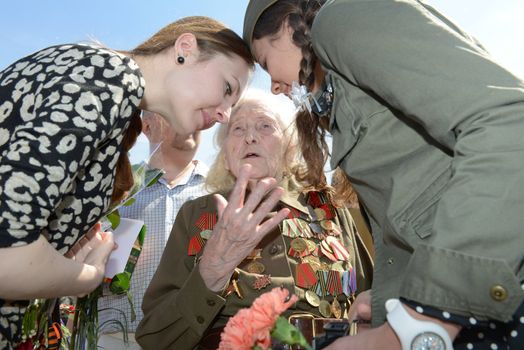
column 240, row 228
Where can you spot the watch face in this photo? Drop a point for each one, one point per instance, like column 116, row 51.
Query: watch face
column 428, row 341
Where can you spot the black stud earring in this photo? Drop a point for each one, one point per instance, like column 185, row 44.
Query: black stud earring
column 180, row 59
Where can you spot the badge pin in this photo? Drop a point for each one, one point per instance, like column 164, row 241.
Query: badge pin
column 262, row 282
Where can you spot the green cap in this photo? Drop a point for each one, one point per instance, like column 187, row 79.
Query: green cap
column 253, row 12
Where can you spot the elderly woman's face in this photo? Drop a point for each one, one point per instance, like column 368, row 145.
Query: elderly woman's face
column 255, row 137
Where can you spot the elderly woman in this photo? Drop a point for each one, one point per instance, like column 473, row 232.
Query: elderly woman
column 207, row 273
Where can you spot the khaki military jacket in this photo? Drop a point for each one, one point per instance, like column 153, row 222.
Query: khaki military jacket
column 179, row 308
column 430, row 131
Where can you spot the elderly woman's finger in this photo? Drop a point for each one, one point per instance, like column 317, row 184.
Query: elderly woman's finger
column 257, row 196
column 266, row 204
column 236, row 199
column 221, row 204
column 272, row 222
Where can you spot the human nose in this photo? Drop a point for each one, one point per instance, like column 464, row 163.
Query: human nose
column 222, row 114
column 251, row 136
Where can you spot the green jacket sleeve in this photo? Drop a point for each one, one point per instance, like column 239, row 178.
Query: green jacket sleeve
column 425, row 69
column 178, row 307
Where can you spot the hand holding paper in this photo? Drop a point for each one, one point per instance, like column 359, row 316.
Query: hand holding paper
column 125, row 236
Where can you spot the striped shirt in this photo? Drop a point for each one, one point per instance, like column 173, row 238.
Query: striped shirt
column 157, row 206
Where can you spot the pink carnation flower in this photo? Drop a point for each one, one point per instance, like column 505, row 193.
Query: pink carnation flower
column 250, row 327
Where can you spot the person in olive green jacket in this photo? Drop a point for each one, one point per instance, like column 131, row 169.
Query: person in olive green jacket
column 189, row 302
column 428, row 128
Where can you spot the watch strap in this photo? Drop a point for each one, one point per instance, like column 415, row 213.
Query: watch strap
column 407, row 327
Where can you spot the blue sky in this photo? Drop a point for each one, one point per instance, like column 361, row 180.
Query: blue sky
column 26, row 26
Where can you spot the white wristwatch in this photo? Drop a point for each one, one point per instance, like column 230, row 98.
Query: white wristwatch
column 416, row 334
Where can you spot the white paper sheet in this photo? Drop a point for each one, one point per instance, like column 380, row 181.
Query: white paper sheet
column 125, row 235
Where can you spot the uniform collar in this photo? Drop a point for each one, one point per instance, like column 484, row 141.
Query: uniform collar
column 293, row 195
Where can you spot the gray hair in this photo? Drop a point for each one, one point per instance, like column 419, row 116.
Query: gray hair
column 219, row 179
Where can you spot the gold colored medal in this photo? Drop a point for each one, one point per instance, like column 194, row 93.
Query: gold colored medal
column 338, row 266
column 336, row 309
column 311, row 246
column 312, row 298
column 327, row 224
column 237, row 289
column 256, row 267
column 313, row 261
column 324, row 266
column 299, row 245
column 325, row 308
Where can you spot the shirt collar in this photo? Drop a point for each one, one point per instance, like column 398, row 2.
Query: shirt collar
column 199, row 170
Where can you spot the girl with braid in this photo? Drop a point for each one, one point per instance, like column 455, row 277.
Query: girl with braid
column 427, row 127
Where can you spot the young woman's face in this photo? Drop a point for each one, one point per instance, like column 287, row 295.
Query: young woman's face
column 280, row 57
column 255, row 137
column 202, row 92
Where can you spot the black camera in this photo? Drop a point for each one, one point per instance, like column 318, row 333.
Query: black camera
column 332, row 331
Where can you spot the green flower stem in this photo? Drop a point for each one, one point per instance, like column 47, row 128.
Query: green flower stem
column 289, row 334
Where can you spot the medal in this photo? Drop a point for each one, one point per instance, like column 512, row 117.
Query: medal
column 206, row 234
column 324, row 267
column 328, row 212
column 339, row 251
column 299, row 245
column 312, row 298
column 325, row 308
column 255, row 254
column 304, row 229
column 320, row 287
column 313, row 261
column 195, row 245
column 236, row 287
column 298, row 248
column 338, row 266
column 256, row 267
column 311, row 246
column 334, row 283
column 353, row 280
column 315, row 227
column 336, row 309
column 314, row 199
column 325, row 248
column 262, row 282
column 206, row 221
column 233, row 286
column 320, row 213
column 327, row 225
column 289, row 228
column 336, row 230
column 305, row 276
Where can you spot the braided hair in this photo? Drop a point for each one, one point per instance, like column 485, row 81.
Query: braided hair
column 123, row 173
column 300, row 14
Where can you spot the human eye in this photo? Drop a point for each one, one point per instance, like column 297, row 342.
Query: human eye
column 237, row 130
column 229, row 89
column 265, row 126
